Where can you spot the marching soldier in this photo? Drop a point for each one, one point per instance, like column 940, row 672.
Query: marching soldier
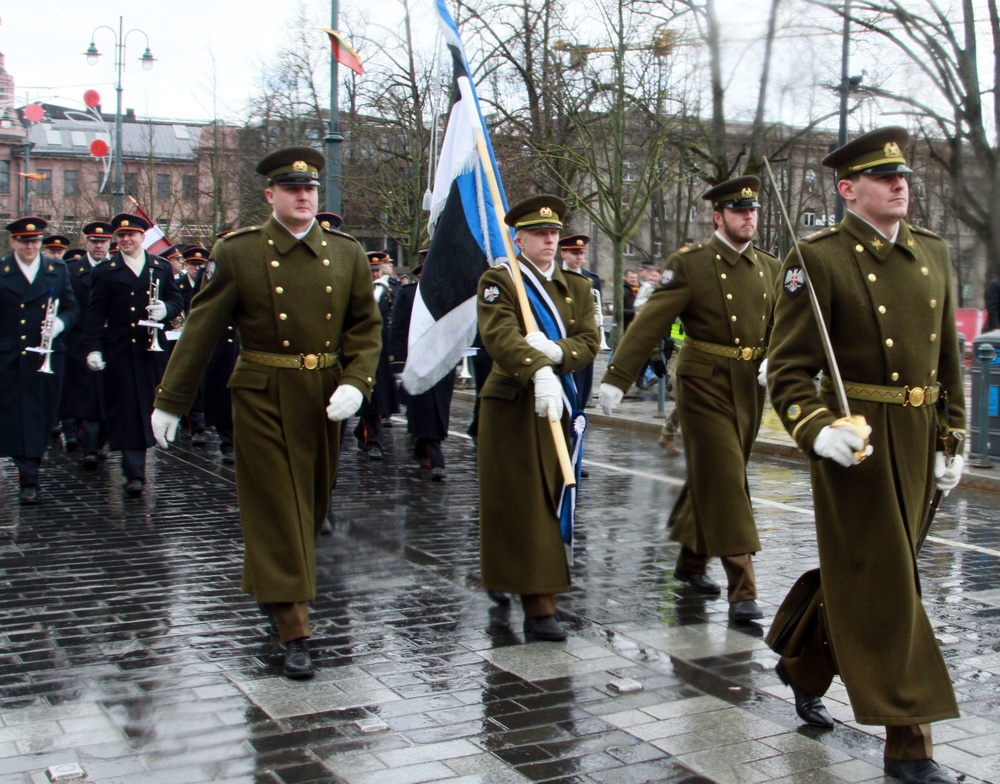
column 83, row 393
column 130, row 354
column 572, row 250
column 884, row 288
column 301, row 297
column 36, row 306
column 427, row 414
column 55, row 245
column 723, row 292
column 523, row 547
column 194, row 258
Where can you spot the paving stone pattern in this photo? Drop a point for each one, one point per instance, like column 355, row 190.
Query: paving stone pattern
column 127, row 647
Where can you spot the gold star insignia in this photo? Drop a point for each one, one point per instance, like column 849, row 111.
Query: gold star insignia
column 910, row 243
column 746, row 193
column 300, row 166
column 876, row 243
column 545, row 212
column 892, row 150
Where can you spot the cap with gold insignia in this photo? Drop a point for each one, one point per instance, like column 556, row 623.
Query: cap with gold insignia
column 28, row 228
column 173, row 252
column 56, row 242
column 73, row 254
column 195, row 254
column 292, row 166
column 538, row 212
column 98, row 230
column 574, row 242
column 876, row 152
column 329, row 220
column 377, row 257
column 126, row 221
column 738, row 194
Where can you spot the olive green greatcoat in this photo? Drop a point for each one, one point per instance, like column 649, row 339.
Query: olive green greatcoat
column 889, row 311
column 521, row 549
column 726, row 298
column 285, row 296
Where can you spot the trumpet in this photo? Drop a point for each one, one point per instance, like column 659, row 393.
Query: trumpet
column 48, row 327
column 599, row 317
column 154, row 336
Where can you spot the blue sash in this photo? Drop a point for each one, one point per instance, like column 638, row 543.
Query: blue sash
column 551, row 325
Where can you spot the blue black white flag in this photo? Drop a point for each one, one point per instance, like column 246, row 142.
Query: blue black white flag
column 465, row 233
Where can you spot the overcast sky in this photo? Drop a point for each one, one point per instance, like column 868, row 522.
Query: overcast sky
column 45, row 56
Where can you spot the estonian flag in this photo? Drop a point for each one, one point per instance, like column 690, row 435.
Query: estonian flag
column 465, row 236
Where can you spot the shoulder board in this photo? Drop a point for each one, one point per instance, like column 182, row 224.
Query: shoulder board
column 922, row 230
column 766, row 254
column 239, row 233
column 689, row 248
column 574, row 272
column 817, row 235
column 338, row 232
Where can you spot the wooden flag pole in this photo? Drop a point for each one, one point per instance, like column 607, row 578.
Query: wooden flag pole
column 558, row 436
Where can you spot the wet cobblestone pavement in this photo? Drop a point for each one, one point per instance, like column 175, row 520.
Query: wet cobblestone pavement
column 127, row 648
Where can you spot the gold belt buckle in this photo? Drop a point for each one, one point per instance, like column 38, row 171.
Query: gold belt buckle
column 915, row 396
column 310, row 361
column 746, row 353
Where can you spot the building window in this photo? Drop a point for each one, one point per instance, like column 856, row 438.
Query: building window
column 71, row 182
column 43, row 187
column 628, row 250
column 810, row 180
column 162, row 186
column 4, row 176
column 189, row 186
column 809, row 219
column 131, row 183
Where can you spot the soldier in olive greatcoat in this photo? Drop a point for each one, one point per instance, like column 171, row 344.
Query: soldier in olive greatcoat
column 29, row 399
column 522, row 547
column 130, row 355
column 309, row 332
column 723, row 293
column 884, row 288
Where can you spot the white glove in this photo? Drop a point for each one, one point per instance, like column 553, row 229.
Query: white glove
column 840, row 444
column 762, row 374
column 548, row 393
column 548, row 347
column 57, row 327
column 95, row 360
column 610, row 397
column 344, row 402
column 948, row 475
column 164, row 426
column 157, row 310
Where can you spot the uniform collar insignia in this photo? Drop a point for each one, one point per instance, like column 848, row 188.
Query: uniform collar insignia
column 876, row 243
column 910, row 243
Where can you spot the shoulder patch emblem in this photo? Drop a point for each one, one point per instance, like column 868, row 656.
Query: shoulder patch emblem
column 795, row 281
column 794, row 412
column 491, row 294
column 667, row 277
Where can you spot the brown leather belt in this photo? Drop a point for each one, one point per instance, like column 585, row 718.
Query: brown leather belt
column 729, row 352
column 899, row 396
column 291, row 361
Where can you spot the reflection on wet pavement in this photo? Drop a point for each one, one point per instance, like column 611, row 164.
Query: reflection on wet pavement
column 128, row 648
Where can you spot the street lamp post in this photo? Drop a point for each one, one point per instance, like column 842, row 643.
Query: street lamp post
column 334, row 139
column 147, row 61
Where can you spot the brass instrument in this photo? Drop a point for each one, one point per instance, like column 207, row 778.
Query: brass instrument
column 48, row 327
column 154, row 338
column 599, row 317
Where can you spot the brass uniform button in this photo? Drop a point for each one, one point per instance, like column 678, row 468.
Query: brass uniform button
column 924, row 271
column 723, row 276
column 729, row 296
column 329, row 316
column 933, row 303
column 283, row 316
column 888, row 342
column 895, row 376
column 859, row 248
column 274, row 263
column 732, row 318
column 270, row 242
column 871, row 277
column 933, row 336
column 286, row 343
column 527, row 360
column 329, row 289
column 326, row 262
column 279, row 289
column 881, row 309
column 569, row 300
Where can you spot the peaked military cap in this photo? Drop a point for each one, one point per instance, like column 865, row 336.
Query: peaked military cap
column 876, row 152
column 73, row 254
column 377, row 257
column 172, row 252
column 574, row 241
column 28, row 228
column 98, row 230
column 195, row 254
column 292, row 166
column 738, row 194
column 58, row 242
column 126, row 221
column 537, row 212
column 329, row 220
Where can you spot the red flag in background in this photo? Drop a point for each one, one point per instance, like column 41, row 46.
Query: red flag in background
column 342, row 52
column 155, row 241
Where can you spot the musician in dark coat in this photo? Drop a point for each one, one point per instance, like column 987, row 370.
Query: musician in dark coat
column 194, row 258
column 29, row 399
column 82, row 409
column 427, row 414
column 130, row 354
